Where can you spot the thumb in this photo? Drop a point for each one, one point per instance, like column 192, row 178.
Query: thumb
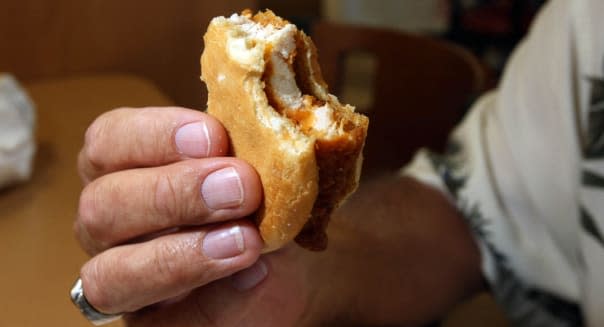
column 261, row 295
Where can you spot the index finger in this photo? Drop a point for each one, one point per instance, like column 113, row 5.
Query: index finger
column 131, row 138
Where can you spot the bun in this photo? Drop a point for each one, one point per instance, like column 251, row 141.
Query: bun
column 265, row 86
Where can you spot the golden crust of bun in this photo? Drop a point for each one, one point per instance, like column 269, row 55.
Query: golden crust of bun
column 339, row 159
column 290, row 182
column 304, row 176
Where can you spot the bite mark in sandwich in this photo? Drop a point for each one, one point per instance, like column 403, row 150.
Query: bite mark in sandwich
column 265, row 86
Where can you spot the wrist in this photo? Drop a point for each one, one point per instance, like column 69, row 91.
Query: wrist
column 328, row 277
column 399, row 253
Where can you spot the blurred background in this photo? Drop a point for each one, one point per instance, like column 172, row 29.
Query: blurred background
column 417, row 63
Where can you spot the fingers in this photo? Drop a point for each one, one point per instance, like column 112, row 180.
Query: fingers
column 271, row 292
column 127, row 278
column 218, row 304
column 129, row 138
column 129, row 204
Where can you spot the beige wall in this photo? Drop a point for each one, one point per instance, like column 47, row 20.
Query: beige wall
column 158, row 39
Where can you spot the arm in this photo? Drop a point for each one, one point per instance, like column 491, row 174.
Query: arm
column 400, row 253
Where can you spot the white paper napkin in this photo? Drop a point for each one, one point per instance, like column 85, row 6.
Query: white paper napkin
column 17, row 123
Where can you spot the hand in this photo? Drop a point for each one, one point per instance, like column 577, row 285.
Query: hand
column 163, row 212
column 162, row 215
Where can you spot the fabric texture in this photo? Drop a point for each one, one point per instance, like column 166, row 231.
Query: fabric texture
column 526, row 169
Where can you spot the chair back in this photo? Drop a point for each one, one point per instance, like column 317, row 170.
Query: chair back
column 421, row 87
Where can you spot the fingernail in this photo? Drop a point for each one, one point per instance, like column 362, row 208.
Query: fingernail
column 193, row 140
column 222, row 189
column 250, row 277
column 224, row 243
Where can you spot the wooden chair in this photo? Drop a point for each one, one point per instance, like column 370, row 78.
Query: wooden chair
column 421, row 88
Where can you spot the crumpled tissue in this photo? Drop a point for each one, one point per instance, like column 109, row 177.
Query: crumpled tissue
column 17, row 123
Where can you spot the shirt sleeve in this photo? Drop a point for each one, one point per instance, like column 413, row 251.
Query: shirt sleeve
column 514, row 165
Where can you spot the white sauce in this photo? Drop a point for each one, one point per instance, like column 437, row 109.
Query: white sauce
column 323, row 120
column 246, row 46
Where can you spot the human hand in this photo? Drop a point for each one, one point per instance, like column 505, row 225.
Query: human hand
column 170, row 245
column 163, row 216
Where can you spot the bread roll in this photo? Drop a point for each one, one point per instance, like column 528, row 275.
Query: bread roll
column 265, row 86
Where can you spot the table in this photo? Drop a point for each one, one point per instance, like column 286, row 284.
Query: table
column 40, row 257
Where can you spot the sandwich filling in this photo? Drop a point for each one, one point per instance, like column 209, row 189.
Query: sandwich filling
column 295, row 89
column 283, row 50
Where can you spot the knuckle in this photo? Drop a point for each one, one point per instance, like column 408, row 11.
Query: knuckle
column 93, row 149
column 170, row 261
column 167, row 200
column 97, row 294
column 90, row 226
column 153, row 143
column 87, row 208
column 165, row 196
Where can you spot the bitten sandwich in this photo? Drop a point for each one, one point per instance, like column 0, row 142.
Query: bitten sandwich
column 265, row 86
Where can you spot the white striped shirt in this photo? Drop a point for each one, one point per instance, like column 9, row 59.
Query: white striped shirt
column 526, row 168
